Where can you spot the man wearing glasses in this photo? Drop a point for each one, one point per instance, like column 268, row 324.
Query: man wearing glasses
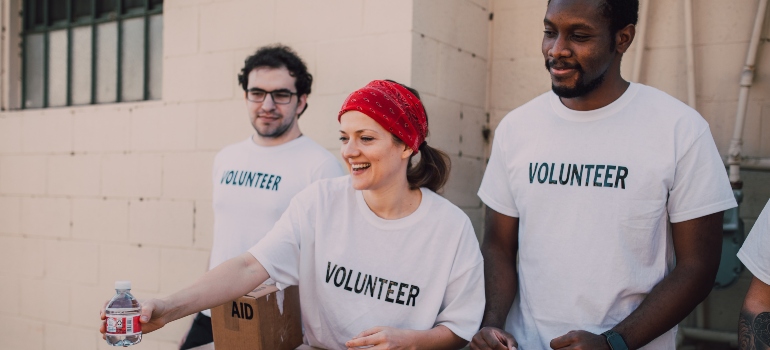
column 255, row 179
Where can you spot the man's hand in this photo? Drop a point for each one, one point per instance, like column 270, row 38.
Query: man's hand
column 150, row 316
column 491, row 338
column 385, row 338
column 577, row 340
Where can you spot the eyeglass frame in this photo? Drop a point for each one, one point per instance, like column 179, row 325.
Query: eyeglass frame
column 271, row 95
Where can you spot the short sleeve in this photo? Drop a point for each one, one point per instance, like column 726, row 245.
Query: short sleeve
column 700, row 183
column 279, row 250
column 463, row 304
column 328, row 169
column 754, row 252
column 495, row 190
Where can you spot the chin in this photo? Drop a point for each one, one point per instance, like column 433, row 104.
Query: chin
column 360, row 185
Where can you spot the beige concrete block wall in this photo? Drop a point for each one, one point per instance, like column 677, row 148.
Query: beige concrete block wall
column 450, row 53
column 84, row 187
column 93, row 194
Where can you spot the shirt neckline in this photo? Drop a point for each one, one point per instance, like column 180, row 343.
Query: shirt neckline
column 277, row 148
column 395, row 224
column 596, row 114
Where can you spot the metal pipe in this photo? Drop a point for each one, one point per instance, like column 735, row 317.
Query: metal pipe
column 641, row 30
column 712, row 336
column 755, row 163
column 688, row 44
column 747, row 77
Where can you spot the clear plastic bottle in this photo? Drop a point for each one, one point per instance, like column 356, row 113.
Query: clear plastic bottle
column 123, row 327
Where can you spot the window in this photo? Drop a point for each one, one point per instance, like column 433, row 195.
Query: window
column 79, row 52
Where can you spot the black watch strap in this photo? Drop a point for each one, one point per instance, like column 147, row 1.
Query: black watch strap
column 615, row 340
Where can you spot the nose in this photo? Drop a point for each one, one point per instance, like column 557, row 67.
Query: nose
column 268, row 104
column 349, row 150
column 559, row 47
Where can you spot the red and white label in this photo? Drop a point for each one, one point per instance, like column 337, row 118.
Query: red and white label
column 124, row 325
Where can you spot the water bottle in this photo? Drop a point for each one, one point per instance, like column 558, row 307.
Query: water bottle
column 123, row 327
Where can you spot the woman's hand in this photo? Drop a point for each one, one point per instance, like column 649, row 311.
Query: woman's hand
column 378, row 338
column 151, row 316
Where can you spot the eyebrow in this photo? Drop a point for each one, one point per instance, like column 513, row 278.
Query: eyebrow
column 572, row 26
column 360, row 131
column 256, row 89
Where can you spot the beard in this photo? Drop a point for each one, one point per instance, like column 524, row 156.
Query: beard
column 581, row 87
column 274, row 132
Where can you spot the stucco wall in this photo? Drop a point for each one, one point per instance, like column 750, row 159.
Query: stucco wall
column 83, row 188
column 89, row 195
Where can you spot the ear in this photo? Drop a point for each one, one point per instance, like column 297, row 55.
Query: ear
column 407, row 152
column 624, row 38
column 301, row 104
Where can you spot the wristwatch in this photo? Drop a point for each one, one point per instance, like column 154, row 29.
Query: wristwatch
column 615, row 340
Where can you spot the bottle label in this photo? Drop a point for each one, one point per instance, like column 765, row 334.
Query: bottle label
column 124, row 325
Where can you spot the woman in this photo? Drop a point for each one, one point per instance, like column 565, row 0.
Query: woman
column 379, row 257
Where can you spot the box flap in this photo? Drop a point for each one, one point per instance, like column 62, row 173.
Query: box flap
column 262, row 290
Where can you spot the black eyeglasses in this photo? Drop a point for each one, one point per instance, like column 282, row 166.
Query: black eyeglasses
column 280, row 97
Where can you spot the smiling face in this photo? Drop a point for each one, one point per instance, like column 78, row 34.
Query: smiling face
column 578, row 47
column 274, row 122
column 374, row 159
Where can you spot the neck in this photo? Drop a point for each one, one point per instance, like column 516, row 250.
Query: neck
column 393, row 202
column 289, row 135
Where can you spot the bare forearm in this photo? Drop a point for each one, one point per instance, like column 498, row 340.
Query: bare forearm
column 754, row 319
column 698, row 246
column 501, row 282
column 666, row 305
column 439, row 337
column 228, row 281
column 500, row 246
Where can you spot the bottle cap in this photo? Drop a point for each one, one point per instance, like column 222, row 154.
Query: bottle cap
column 122, row 284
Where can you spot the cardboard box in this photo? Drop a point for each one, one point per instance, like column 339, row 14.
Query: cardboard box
column 260, row 320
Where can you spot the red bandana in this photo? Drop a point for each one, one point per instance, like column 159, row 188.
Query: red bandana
column 394, row 107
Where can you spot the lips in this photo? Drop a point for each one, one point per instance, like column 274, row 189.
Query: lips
column 358, row 168
column 563, row 72
column 561, row 69
column 271, row 117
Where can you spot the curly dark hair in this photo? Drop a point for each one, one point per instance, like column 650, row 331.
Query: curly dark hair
column 620, row 13
column 277, row 56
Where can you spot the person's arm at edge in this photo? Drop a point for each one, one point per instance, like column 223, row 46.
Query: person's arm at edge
column 499, row 248
column 228, row 281
column 439, row 337
column 756, row 306
column 698, row 248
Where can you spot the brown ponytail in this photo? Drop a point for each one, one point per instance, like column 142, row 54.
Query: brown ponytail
column 431, row 171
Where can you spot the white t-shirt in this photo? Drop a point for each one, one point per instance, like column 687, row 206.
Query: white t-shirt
column 356, row 270
column 755, row 252
column 594, row 192
column 253, row 186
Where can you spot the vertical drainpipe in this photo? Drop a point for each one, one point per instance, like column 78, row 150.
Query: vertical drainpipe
column 688, row 44
column 747, row 77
